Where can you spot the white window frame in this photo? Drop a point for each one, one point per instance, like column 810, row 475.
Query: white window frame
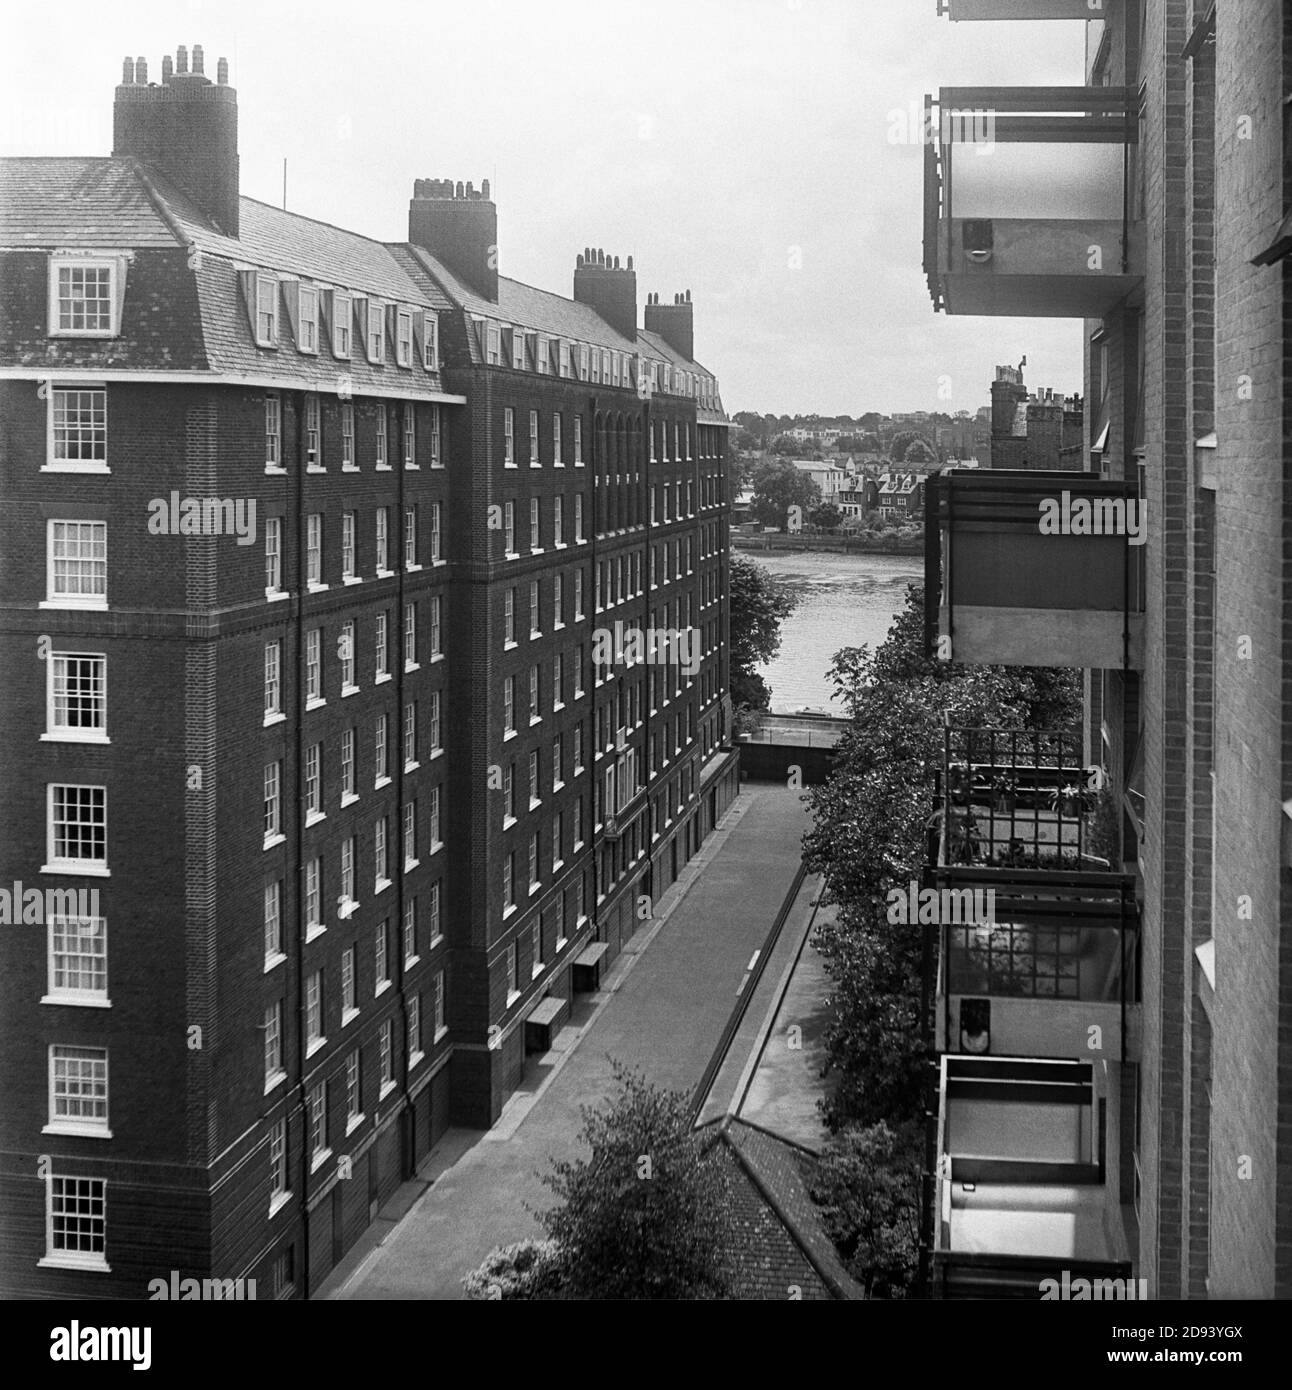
column 88, row 602
column 342, row 323
column 266, row 315
column 78, row 929
column 99, row 406
column 114, row 267
column 430, row 341
column 71, row 733
column 404, row 337
column 95, row 1193
column 97, row 867
column 375, row 332
column 308, row 338
column 93, row 1128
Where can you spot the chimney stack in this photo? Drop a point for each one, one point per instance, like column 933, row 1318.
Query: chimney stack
column 602, row 284
column 186, row 128
column 673, row 322
column 458, row 225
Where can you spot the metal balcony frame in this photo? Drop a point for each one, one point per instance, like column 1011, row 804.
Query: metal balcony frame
column 1111, row 118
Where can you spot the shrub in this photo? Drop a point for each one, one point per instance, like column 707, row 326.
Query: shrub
column 525, row 1270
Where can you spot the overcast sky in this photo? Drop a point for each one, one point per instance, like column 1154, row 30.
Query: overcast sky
column 741, row 149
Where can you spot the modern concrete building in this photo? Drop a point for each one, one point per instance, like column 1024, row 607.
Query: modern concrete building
column 1151, row 207
column 320, row 561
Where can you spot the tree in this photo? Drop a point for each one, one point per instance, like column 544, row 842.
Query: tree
column 919, row 451
column 850, row 443
column 786, row 447
column 778, row 486
column 648, row 1214
column 827, row 516
column 759, row 604
column 867, row 1185
column 902, row 441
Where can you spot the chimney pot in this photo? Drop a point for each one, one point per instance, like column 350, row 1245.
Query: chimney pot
column 198, row 59
column 484, row 189
column 460, row 189
column 128, row 72
column 168, row 68
column 630, row 262
column 181, row 59
column 222, row 72
column 616, row 262
column 141, row 72
column 471, row 192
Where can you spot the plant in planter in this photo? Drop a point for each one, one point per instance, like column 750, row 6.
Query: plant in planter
column 1004, row 793
column 1067, row 800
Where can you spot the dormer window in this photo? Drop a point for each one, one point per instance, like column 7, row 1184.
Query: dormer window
column 309, row 319
column 376, row 331
column 85, row 296
column 565, row 358
column 342, row 323
column 596, row 366
column 430, row 342
column 518, row 349
column 540, row 353
column 266, row 311
column 583, row 362
column 493, row 349
column 614, row 368
column 404, row 337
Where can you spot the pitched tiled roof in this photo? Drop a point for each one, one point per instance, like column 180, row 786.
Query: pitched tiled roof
column 60, row 202
column 780, row 1236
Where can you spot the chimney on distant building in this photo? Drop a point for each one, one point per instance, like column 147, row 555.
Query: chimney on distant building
column 601, row 284
column 458, row 225
column 673, row 322
column 186, row 127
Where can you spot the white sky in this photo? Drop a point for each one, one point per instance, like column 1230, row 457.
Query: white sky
column 707, row 138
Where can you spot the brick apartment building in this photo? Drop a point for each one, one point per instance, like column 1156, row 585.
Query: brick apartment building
column 361, row 805
column 1172, row 255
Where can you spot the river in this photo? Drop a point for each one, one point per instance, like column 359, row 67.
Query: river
column 845, row 600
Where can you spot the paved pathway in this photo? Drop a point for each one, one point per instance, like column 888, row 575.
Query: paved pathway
column 663, row 1010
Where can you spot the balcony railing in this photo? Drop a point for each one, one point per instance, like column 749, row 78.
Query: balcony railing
column 1014, row 575
column 1014, row 1190
column 1029, row 200
column 1023, row 9
column 1031, row 940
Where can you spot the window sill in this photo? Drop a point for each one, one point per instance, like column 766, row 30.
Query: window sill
column 512, row 996
column 313, row 586
column 383, row 468
column 381, row 678
column 412, row 569
column 59, row 866
column 85, row 1002
column 319, row 1159
column 386, row 1088
column 315, row 1046
column 385, row 574
column 347, row 908
column 276, row 595
column 508, row 822
column 348, row 1016
column 435, row 941
column 436, row 846
column 349, row 468
column 75, row 605
column 436, row 753
column 317, row 702
column 351, row 578
column 509, row 911
column 508, row 734
column 81, row 1131
column 534, row 888
column 272, row 840
column 348, row 799
column 380, row 782
column 275, row 470
column 410, row 865
column 381, row 989
column 411, row 666
column 380, row 886
column 278, row 717
column 69, row 467
column 353, row 1123
column 314, row 817
column 314, row 930
column 440, row 1034
column 436, row 656
column 414, row 1058
column 276, row 1080
column 561, row 944
column 315, row 468
column 438, row 564
column 274, row 961
column 71, row 737
column 94, row 1263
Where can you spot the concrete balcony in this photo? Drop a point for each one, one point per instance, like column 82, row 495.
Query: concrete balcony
column 1023, row 9
column 1029, row 203
column 1033, row 568
column 1015, row 1193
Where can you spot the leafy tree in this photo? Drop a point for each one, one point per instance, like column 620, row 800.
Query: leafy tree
column 778, row 485
column 759, row 604
column 867, row 1185
column 746, row 439
column 919, row 451
column 827, row 515
column 902, row 441
column 786, row 447
column 850, row 443
column 648, row 1214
